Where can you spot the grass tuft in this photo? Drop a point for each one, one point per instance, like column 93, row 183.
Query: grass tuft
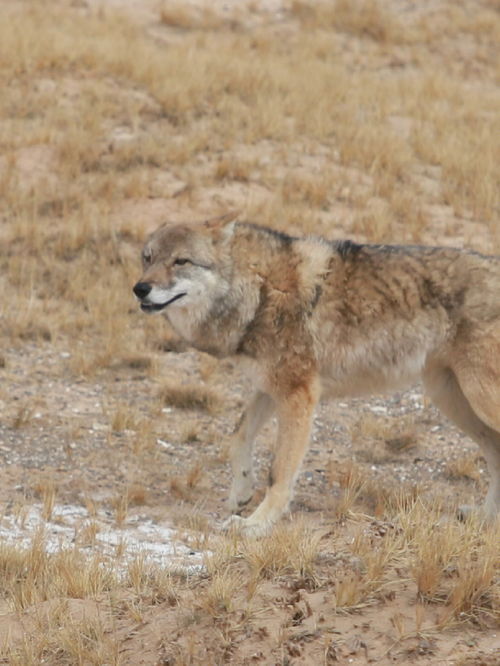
column 192, row 396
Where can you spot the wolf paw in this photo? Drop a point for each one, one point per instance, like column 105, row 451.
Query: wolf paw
column 246, row 527
column 241, row 492
column 238, row 503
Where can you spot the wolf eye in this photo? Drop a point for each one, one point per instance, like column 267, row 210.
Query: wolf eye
column 180, row 261
column 147, row 256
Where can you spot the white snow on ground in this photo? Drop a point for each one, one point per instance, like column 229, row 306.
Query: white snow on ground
column 138, row 536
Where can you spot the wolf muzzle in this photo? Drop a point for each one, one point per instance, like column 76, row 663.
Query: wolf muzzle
column 142, row 289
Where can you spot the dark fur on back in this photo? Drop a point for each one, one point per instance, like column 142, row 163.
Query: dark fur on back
column 283, row 238
column 347, row 248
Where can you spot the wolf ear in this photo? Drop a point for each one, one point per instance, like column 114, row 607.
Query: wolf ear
column 223, row 223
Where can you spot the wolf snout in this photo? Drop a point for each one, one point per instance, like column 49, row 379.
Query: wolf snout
column 142, row 289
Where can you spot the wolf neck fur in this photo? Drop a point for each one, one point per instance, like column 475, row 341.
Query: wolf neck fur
column 256, row 261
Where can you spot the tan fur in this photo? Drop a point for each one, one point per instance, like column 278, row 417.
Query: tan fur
column 311, row 317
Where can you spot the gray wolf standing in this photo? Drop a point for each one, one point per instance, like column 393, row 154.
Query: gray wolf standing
column 309, row 317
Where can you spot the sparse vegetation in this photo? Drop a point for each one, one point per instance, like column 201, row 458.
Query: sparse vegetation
column 348, row 119
column 193, row 396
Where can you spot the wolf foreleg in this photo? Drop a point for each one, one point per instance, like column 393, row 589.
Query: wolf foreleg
column 257, row 413
column 295, row 412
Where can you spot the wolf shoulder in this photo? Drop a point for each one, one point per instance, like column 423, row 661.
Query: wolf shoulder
column 369, row 281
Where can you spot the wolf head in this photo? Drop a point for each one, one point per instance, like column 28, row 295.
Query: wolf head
column 186, row 269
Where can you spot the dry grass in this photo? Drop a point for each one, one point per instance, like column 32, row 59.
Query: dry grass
column 188, row 18
column 66, row 641
column 31, row 576
column 463, row 468
column 378, row 439
column 342, row 118
column 290, row 550
column 191, row 396
column 451, row 567
column 454, row 565
column 367, row 18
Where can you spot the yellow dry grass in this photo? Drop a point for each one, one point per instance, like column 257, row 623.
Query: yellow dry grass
column 345, row 118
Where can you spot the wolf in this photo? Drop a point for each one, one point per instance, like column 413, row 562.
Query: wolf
column 309, row 317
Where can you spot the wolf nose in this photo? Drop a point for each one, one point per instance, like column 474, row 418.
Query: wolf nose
column 142, row 289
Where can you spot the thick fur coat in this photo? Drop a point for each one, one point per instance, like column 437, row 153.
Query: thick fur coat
column 310, row 317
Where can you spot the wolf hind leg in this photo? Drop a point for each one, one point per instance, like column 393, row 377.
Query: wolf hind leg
column 257, row 413
column 445, row 389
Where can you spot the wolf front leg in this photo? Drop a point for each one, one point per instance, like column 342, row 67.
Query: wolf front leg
column 257, row 413
column 295, row 411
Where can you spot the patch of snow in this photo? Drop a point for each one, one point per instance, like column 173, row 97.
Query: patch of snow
column 139, row 535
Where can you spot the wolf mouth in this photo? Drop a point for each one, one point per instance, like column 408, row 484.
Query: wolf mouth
column 156, row 307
